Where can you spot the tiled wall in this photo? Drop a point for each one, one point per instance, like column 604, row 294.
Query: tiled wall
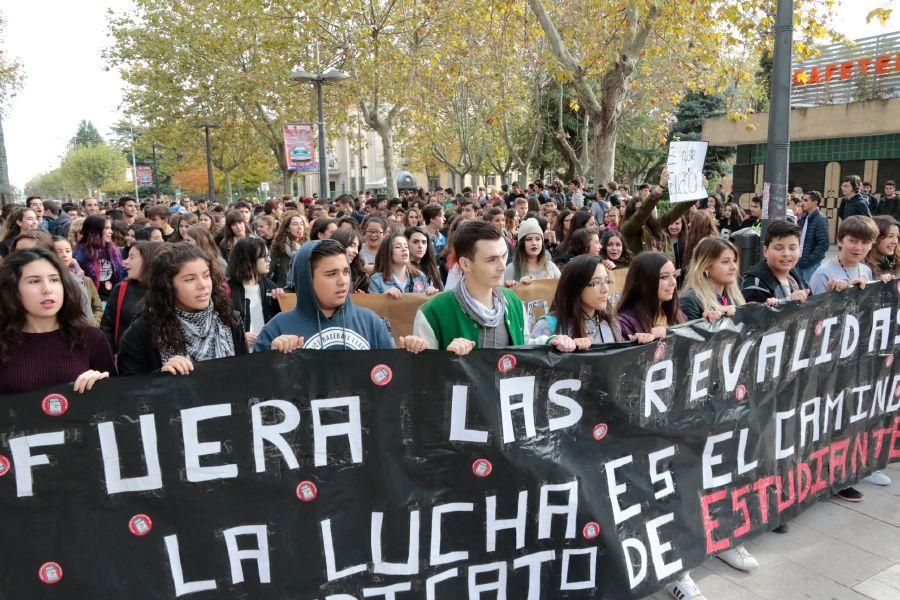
column 836, row 149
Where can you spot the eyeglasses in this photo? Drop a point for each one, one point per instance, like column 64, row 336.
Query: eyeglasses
column 607, row 283
column 374, row 232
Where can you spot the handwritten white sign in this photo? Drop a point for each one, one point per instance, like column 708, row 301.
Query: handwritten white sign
column 686, row 171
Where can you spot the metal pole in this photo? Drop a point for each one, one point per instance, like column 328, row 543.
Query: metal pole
column 211, row 194
column 323, row 155
column 779, row 138
column 134, row 165
column 155, row 172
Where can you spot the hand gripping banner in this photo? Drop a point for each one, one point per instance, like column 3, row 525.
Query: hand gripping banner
column 518, row 474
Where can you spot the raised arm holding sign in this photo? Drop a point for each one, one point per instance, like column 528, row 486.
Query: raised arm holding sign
column 685, row 162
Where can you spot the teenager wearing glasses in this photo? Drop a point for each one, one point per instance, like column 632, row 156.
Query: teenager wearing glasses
column 581, row 308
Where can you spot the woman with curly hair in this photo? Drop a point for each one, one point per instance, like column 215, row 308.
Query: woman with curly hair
column 45, row 338
column 21, row 220
column 290, row 236
column 186, row 316
column 98, row 256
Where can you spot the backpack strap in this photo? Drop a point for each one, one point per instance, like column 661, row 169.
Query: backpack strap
column 120, row 300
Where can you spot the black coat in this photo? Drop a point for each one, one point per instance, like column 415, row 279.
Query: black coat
column 241, row 304
column 853, row 206
column 138, row 353
column 134, row 293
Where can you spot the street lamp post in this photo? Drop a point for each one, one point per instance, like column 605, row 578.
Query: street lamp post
column 779, row 140
column 329, row 75
column 211, row 193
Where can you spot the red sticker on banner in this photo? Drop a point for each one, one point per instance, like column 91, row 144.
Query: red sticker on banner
column 591, row 530
column 482, row 467
column 506, row 363
column 889, row 361
column 660, row 353
column 382, row 375
column 600, row 431
column 50, row 572
column 140, row 525
column 307, row 491
column 740, row 393
column 820, row 326
column 4, row 465
column 55, row 405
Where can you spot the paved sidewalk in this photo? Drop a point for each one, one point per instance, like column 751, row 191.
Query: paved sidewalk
column 836, row 550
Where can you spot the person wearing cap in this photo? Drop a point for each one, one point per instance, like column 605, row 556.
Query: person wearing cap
column 531, row 260
column 479, row 312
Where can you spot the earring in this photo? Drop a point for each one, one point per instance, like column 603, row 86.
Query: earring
column 706, row 274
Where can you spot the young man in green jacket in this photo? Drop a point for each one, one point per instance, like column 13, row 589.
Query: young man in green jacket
column 479, row 312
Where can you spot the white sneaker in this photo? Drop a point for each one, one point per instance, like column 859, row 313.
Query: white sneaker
column 878, row 478
column 739, row 558
column 685, row 589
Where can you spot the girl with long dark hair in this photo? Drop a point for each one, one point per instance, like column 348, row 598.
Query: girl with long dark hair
column 394, row 274
column 581, row 307
column 351, row 240
column 98, row 256
column 181, row 223
column 253, row 294
column 422, row 255
column 235, row 229
column 125, row 297
column 581, row 241
column 45, row 339
column 884, row 257
column 613, row 251
column 649, row 304
column 186, row 316
column 20, row 220
column 290, row 235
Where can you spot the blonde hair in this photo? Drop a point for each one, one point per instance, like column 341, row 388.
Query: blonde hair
column 75, row 230
column 706, row 252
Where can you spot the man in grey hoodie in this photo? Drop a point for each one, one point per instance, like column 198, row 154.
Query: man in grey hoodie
column 324, row 317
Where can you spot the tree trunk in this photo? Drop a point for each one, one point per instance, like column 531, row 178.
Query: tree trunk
column 387, row 145
column 228, row 190
column 287, row 180
column 603, row 142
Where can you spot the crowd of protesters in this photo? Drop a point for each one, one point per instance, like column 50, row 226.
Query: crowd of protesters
column 90, row 291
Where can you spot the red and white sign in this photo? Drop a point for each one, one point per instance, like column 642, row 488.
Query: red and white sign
column 381, row 375
column 140, row 525
column 55, row 405
column 307, row 491
column 506, row 363
column 591, row 530
column 50, row 573
column 600, row 431
column 482, row 467
column 4, row 465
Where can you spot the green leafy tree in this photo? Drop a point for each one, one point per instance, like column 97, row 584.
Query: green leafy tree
column 94, row 166
column 11, row 74
column 87, row 135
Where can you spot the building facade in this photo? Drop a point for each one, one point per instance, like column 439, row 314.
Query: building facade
column 845, row 120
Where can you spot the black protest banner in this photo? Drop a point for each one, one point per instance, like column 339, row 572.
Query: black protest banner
column 525, row 474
